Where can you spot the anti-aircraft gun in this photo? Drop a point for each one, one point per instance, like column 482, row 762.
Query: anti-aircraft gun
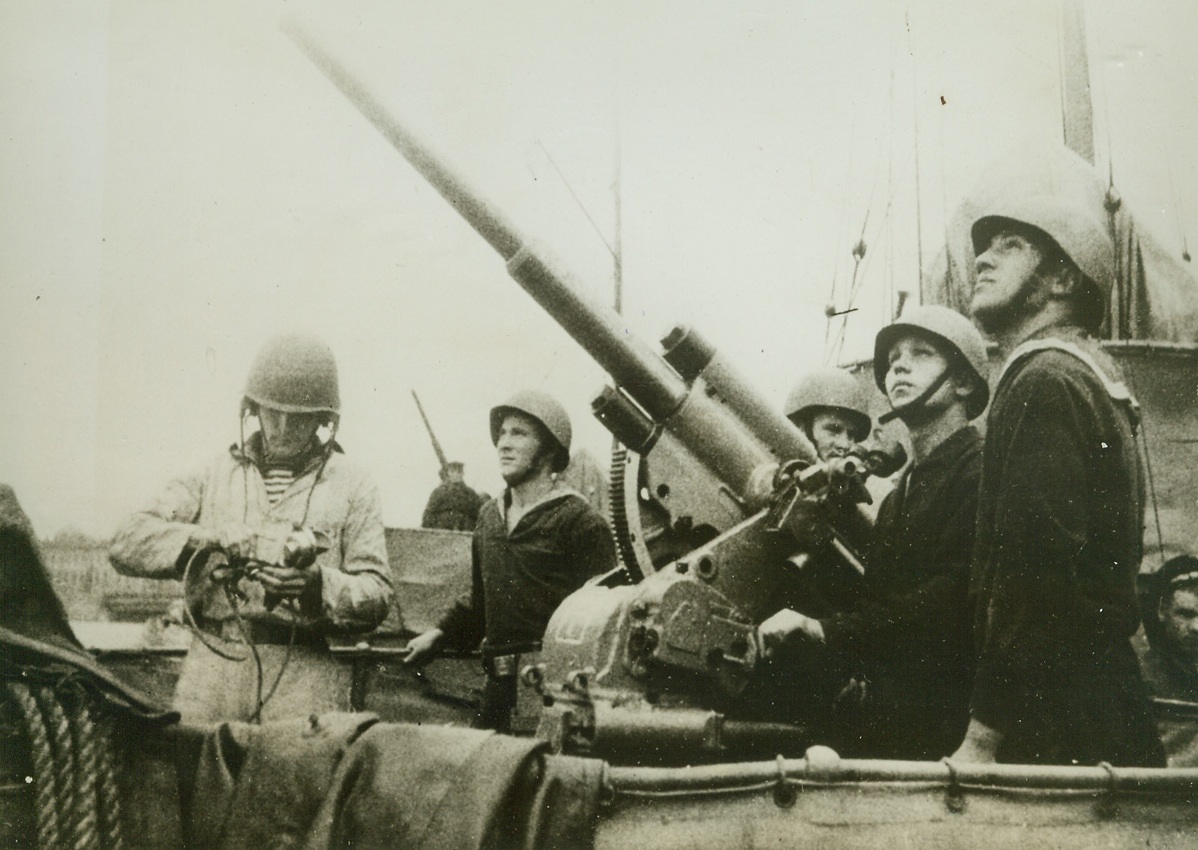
column 720, row 506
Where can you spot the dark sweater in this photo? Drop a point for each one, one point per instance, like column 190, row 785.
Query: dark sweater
column 1058, row 547
column 910, row 636
column 452, row 506
column 520, row 578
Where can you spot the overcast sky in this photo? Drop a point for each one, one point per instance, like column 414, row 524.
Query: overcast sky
column 178, row 182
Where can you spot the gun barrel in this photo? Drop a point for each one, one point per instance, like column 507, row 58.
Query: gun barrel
column 489, row 223
column 692, row 355
column 625, row 422
column 598, row 329
column 712, row 432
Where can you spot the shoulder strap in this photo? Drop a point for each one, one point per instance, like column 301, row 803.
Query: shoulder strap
column 1117, row 390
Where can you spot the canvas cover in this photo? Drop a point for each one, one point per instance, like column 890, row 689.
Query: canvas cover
column 1156, row 295
column 429, row 569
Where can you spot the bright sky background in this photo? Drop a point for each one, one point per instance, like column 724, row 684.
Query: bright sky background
column 178, row 182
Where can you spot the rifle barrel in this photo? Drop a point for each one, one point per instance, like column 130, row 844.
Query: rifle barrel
column 431, row 434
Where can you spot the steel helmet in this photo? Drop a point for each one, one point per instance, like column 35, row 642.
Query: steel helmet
column 830, row 388
column 295, row 373
column 1075, row 230
column 546, row 410
column 952, row 329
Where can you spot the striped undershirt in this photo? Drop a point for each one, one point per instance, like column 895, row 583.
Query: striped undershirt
column 277, row 480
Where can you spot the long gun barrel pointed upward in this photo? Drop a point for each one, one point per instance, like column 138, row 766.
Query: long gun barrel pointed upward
column 597, row 328
column 715, row 434
column 488, row 222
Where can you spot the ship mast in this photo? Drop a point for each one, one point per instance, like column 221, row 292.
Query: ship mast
column 1077, row 106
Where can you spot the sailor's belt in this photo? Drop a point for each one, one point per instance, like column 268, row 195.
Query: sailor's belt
column 268, row 633
column 502, row 666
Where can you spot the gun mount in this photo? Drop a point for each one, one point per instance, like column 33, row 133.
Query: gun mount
column 721, row 509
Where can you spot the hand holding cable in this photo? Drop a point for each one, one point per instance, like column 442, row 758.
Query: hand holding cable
column 290, row 576
column 235, row 539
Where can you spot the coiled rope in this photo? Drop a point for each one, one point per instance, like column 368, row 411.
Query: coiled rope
column 75, row 770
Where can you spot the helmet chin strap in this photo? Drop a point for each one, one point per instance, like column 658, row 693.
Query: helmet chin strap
column 918, row 401
column 248, row 408
column 326, row 452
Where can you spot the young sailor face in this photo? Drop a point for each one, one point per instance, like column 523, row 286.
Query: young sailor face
column 522, row 450
column 915, row 364
column 287, row 434
column 1179, row 618
column 1008, row 281
column 832, row 433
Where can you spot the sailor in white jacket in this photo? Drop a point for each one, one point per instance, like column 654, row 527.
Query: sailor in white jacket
column 297, row 531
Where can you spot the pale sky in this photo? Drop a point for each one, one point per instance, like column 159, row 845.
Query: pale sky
column 178, row 182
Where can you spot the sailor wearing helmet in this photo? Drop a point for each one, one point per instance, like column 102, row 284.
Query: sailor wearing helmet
column 832, row 409
column 533, row 546
column 1060, row 514
column 906, row 643
column 308, row 527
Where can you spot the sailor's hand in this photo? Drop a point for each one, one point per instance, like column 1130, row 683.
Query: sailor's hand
column 882, row 454
column 234, row 538
column 302, row 547
column 980, row 745
column 286, row 582
column 420, row 649
column 852, row 696
column 782, row 627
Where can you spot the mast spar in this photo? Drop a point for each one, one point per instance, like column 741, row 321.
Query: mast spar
column 1077, row 106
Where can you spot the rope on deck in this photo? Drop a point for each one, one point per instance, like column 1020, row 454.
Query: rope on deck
column 108, row 798
column 45, row 792
column 75, row 770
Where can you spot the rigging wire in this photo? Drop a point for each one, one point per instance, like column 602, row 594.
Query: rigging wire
column 1117, row 318
column 944, row 208
column 951, row 272
column 862, row 259
column 1112, row 203
column 1141, row 435
column 888, row 288
column 1073, row 78
column 858, row 254
column 577, row 200
column 1156, row 511
column 1177, row 209
column 1061, row 94
column 915, row 148
column 861, row 246
column 830, row 311
column 830, row 308
column 1106, row 127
